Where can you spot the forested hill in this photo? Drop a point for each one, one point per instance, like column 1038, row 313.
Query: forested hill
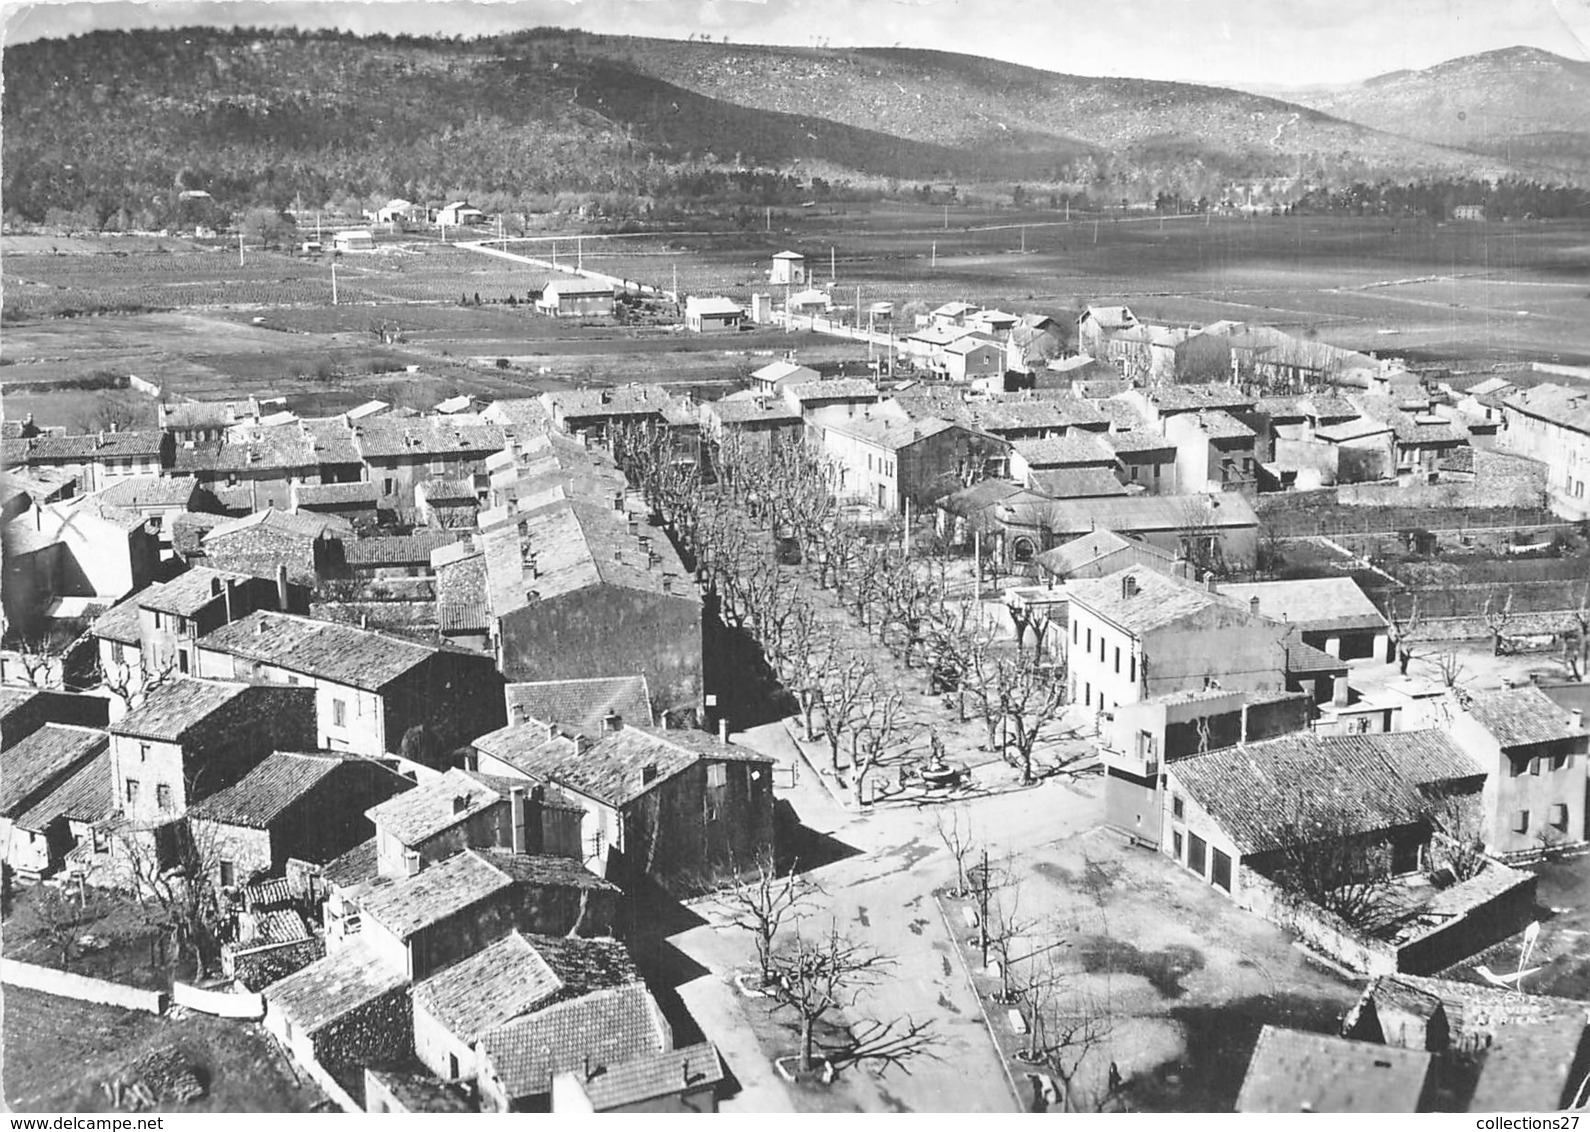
column 120, row 121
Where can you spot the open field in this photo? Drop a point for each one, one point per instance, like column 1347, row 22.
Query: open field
column 58, row 1051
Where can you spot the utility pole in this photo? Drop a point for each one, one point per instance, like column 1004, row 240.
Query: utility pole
column 555, row 253
column 333, row 282
column 977, row 566
column 769, row 218
column 946, row 218
column 858, row 308
column 905, row 538
column 240, row 247
column 1095, row 231
column 1023, row 239
column 982, row 910
column 935, row 262
column 831, row 273
column 579, row 253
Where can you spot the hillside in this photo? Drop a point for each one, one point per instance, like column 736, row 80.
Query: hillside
column 122, row 120
column 1521, row 103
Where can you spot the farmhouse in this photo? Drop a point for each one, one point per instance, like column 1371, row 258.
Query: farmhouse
column 971, row 358
column 788, row 268
column 353, row 240
column 576, row 297
column 458, row 214
column 1095, row 325
column 30, row 771
column 1551, row 423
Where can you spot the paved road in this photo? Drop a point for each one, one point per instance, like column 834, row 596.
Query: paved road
column 882, row 895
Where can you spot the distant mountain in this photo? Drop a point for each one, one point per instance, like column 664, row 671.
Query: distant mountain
column 118, row 120
column 1526, row 105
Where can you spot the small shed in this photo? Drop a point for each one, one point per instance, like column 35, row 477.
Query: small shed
column 706, row 315
column 575, row 296
column 353, row 240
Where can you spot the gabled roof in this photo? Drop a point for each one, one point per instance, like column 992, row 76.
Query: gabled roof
column 356, row 866
column 1314, row 604
column 1155, row 601
column 1050, row 412
column 348, row 978
column 432, row 806
column 775, row 372
column 171, row 709
column 746, row 410
column 293, row 524
column 396, row 550
column 459, row 435
column 1518, row 717
column 86, row 794
column 262, row 796
column 1568, row 406
column 1082, row 449
column 1133, row 440
column 41, row 760
column 1294, row 1071
column 654, row 1075
column 890, row 434
column 837, row 389
column 604, row 1028
column 120, row 621
column 1110, row 318
column 569, row 285
column 85, row 447
column 1281, row 792
column 618, row 767
column 150, row 491
column 712, row 305
column 978, row 497
column 1078, row 483
column 337, row 494
column 1147, row 513
column 609, row 401
column 495, row 985
column 328, row 650
column 189, row 592
column 435, row 893
column 582, row 704
column 1078, row 554
column 1356, row 429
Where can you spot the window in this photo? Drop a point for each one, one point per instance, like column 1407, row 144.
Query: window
column 118, row 652
column 1178, row 807
column 163, row 796
column 717, row 775
column 1534, row 766
column 1195, row 853
column 387, row 486
column 1175, row 843
column 1515, row 767
column 132, row 791
column 1559, row 761
column 1557, row 815
column 1132, row 675
column 158, row 621
column 438, row 466
column 1075, row 629
column 1521, row 821
column 1087, row 694
column 1090, row 639
column 1117, row 659
column 339, row 713
column 1220, row 874
column 182, row 662
column 143, row 752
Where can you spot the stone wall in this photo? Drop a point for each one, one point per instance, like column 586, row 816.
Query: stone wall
column 82, row 987
column 259, row 967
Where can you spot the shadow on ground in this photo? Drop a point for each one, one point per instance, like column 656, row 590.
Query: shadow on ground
column 802, row 846
column 1218, row 1040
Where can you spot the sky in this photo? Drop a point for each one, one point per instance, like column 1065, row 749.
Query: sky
column 1261, row 44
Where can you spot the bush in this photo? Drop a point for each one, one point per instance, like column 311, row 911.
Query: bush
column 504, row 363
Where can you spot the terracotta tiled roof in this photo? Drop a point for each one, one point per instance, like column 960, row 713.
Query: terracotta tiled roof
column 189, row 592
column 329, row 650
column 150, row 491
column 119, row 622
column 1077, row 483
column 260, row 798
column 1522, row 716
column 1314, row 604
column 1080, row 553
column 356, row 866
column 495, row 985
column 42, row 760
column 584, row 703
column 333, row 987
column 1156, row 600
column 607, row 1027
column 651, row 1076
column 87, row 794
column 395, row 550
column 432, row 806
column 421, row 438
column 1294, row 1071
column 1074, row 450
column 170, row 710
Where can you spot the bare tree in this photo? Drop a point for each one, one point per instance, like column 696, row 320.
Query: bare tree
column 1326, row 860
column 1405, row 628
column 1459, row 841
column 1007, row 934
column 177, row 893
column 1200, row 536
column 1497, row 617
column 131, row 684
column 759, row 901
column 849, row 685
column 960, row 843
column 1031, row 697
column 1450, row 667
column 879, row 730
column 62, row 917
column 817, row 979
column 1069, row 1032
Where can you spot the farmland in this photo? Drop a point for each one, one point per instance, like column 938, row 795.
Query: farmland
column 187, row 317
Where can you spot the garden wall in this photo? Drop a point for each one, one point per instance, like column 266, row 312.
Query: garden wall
column 259, row 967
column 1498, row 903
column 1297, row 514
column 1324, row 932
column 83, row 987
column 223, row 1004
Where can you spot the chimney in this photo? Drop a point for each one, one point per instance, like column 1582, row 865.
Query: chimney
column 281, row 587
column 227, row 591
column 460, row 803
column 552, row 732
column 1253, row 605
column 259, row 626
column 1209, row 582
column 723, row 730
column 1578, row 719
column 1339, row 695
column 582, row 744
column 1129, row 586
column 612, row 721
column 517, row 818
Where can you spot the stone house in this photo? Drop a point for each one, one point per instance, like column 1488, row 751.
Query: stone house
column 449, row 911
column 399, row 453
column 1100, row 553
column 788, row 268
column 30, row 771
column 804, row 397
column 1146, row 460
column 354, row 503
column 304, row 805
column 971, row 358
column 593, row 412
column 97, row 459
column 674, row 809
column 374, row 694
column 773, row 377
column 566, row 579
column 395, row 556
column 711, row 314
column 1297, row 1071
column 308, row 545
column 1214, row 451
column 255, row 466
column 761, row 420
column 888, row 461
column 581, row 705
column 503, row 982
column 159, row 499
column 1534, row 755
column 66, row 822
column 1140, row 633
column 205, row 420
column 519, row 1061
column 1095, row 326
column 191, row 738
column 1083, row 450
